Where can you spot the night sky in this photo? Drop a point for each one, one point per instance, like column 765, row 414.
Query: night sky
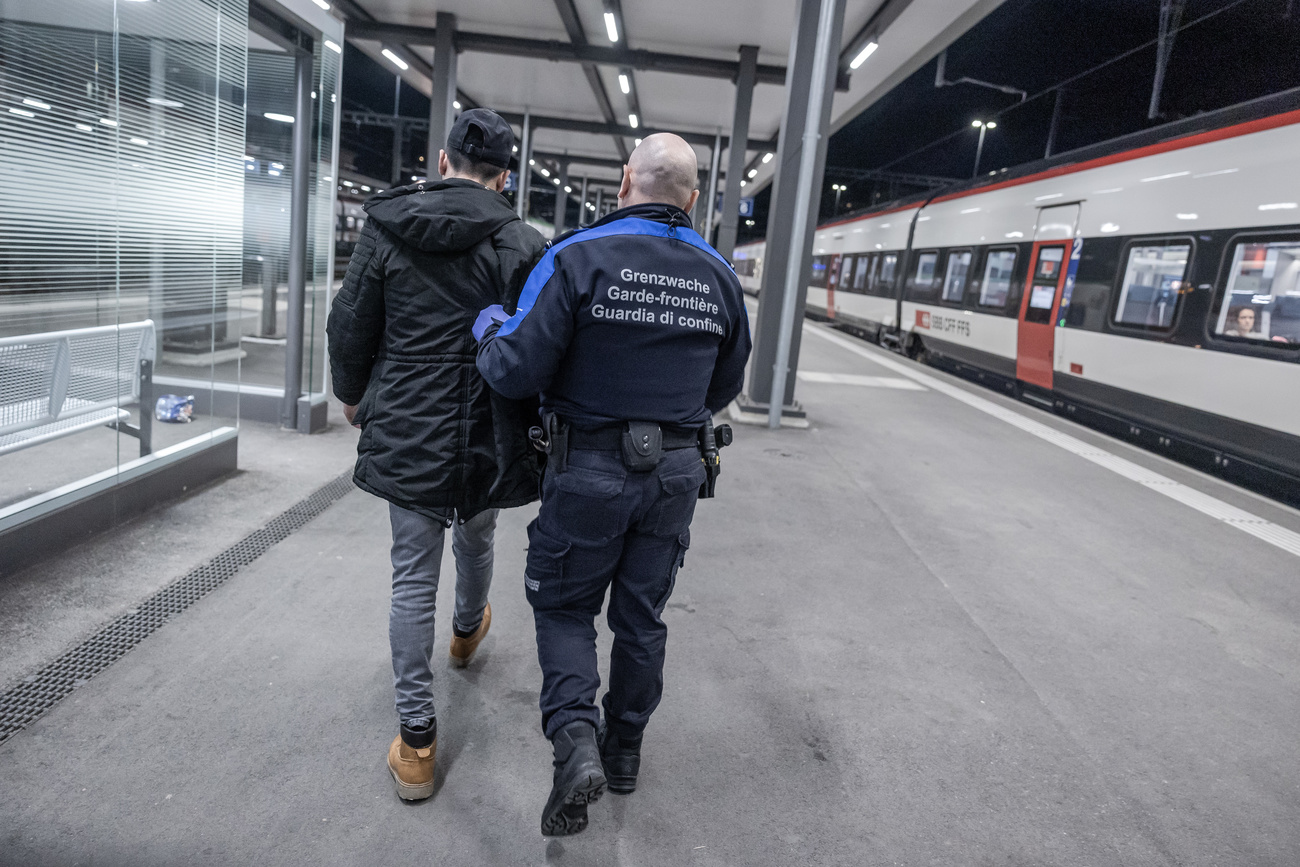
column 1249, row 49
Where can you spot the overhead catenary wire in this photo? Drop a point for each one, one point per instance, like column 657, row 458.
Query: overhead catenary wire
column 1060, row 84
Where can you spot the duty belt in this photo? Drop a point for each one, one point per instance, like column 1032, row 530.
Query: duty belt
column 611, row 439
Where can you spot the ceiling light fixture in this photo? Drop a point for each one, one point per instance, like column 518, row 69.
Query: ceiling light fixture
column 278, row 118
column 624, row 84
column 767, row 158
column 867, row 51
column 333, row 46
column 611, row 26
column 322, row 4
column 397, row 61
column 22, row 112
column 36, row 103
column 632, row 121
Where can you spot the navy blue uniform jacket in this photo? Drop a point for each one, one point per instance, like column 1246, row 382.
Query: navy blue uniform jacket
column 635, row 318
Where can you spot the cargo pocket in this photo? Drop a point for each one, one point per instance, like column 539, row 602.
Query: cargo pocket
column 586, row 503
column 679, row 558
column 679, row 489
column 544, row 571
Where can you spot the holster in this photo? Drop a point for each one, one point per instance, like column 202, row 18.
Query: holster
column 552, row 440
column 643, row 445
column 557, row 435
column 712, row 440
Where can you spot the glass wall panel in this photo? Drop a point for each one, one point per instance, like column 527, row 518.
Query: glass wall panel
column 121, row 229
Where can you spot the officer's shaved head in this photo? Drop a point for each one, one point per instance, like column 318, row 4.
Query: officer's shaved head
column 663, row 168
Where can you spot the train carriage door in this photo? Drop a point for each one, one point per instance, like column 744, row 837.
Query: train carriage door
column 1048, row 264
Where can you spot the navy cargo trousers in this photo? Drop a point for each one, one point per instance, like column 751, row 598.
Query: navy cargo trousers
column 604, row 527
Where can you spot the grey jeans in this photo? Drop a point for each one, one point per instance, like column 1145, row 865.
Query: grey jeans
column 417, row 560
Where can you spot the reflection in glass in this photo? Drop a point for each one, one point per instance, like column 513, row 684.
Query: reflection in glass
column 998, row 268
column 954, row 282
column 1153, row 283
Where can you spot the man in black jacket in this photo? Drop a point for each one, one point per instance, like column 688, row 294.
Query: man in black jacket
column 634, row 331
column 435, row 442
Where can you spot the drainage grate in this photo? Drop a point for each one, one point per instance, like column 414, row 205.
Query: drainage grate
column 41, row 691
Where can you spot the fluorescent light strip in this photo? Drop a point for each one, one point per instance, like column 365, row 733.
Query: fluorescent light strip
column 22, row 112
column 611, row 27
column 397, row 61
column 624, row 84
column 279, row 118
column 632, row 121
column 333, row 46
column 867, row 50
column 36, row 103
column 322, row 4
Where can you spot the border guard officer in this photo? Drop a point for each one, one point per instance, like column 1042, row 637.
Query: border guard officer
column 634, row 332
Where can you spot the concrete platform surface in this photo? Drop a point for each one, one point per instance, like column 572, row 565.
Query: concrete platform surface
column 915, row 633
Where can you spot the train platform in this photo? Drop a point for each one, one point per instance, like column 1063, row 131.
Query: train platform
column 936, row 627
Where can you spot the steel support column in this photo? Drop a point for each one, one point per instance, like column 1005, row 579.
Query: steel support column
column 396, row 177
column 525, row 174
column 442, row 112
column 736, row 150
column 561, row 199
column 300, row 179
column 582, row 203
column 600, row 203
column 711, row 203
column 796, row 198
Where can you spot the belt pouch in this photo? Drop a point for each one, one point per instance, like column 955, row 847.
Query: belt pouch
column 643, row 444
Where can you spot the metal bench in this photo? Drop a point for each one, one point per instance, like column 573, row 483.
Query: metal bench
column 61, row 382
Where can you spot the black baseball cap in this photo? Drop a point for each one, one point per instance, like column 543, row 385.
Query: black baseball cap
column 482, row 134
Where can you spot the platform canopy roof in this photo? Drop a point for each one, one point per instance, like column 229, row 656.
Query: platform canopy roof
column 555, row 59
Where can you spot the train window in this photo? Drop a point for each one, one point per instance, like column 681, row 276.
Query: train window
column 998, row 268
column 888, row 268
column 842, row 281
column 819, row 267
column 860, row 273
column 925, row 268
column 1153, row 283
column 1262, row 301
column 1048, row 268
column 954, row 281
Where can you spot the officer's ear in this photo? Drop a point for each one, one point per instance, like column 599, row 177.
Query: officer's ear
column 499, row 182
column 444, row 164
column 625, row 189
column 690, row 204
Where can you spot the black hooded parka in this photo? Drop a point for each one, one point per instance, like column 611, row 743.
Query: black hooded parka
column 434, row 437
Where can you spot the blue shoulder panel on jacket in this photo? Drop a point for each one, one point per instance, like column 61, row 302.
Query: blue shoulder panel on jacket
column 545, row 269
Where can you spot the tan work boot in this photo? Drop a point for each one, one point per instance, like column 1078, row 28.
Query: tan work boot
column 412, row 768
column 462, row 649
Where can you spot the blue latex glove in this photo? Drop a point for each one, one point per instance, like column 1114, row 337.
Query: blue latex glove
column 488, row 315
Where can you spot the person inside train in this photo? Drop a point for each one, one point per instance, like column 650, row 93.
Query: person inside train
column 1242, row 321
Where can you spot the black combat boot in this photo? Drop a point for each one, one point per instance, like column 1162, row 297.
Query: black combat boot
column 579, row 780
column 620, row 754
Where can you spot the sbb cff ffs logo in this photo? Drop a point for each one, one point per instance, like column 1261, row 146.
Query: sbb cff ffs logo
column 923, row 319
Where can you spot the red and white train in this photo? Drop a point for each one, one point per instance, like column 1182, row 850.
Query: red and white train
column 1149, row 286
